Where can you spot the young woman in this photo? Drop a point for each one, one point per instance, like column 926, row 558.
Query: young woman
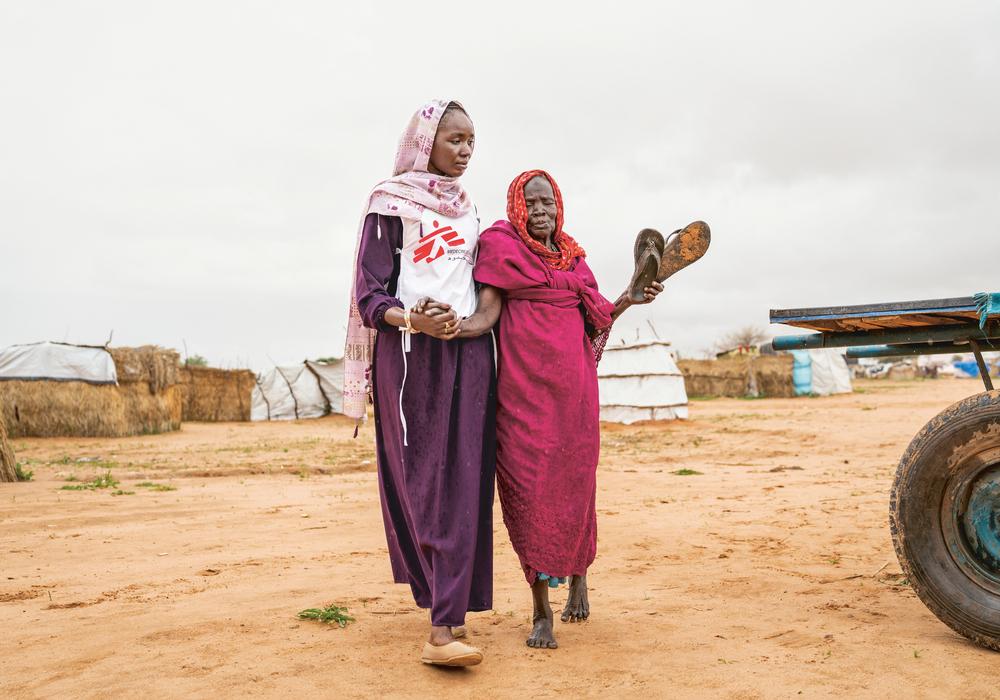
column 434, row 395
column 553, row 323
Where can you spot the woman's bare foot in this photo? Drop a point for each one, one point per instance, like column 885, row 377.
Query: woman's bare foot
column 542, row 636
column 577, row 605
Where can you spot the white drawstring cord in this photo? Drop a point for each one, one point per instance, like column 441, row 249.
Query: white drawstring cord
column 405, row 345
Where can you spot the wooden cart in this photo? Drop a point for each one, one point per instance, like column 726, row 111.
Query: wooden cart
column 945, row 504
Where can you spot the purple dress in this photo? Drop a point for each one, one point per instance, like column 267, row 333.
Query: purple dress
column 437, row 490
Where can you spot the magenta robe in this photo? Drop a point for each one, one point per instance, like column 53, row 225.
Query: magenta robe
column 547, row 421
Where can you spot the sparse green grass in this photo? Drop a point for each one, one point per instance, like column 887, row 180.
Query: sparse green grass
column 685, row 472
column 119, row 492
column 21, row 473
column 155, row 487
column 96, row 463
column 101, row 481
column 72, row 477
column 331, row 614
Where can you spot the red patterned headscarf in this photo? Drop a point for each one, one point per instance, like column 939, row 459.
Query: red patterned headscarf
column 517, row 212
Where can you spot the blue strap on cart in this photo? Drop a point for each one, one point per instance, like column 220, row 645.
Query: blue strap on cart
column 987, row 304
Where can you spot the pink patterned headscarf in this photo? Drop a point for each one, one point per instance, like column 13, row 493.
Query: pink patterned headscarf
column 408, row 193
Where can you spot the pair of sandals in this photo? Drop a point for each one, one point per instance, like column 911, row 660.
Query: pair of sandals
column 657, row 258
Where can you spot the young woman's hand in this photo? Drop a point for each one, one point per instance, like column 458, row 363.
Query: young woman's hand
column 436, row 323
column 429, row 306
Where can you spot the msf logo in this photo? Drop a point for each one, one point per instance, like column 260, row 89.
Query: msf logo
column 433, row 245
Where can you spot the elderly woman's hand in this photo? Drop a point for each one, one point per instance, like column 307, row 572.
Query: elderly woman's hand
column 650, row 292
column 429, row 306
column 435, row 318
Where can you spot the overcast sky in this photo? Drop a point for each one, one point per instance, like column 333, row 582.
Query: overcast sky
column 195, row 171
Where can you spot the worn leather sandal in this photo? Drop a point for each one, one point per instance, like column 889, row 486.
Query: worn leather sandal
column 648, row 252
column 684, row 247
column 451, row 654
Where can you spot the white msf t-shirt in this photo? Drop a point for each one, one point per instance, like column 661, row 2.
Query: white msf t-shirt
column 437, row 258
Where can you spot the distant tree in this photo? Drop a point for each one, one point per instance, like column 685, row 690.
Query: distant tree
column 196, row 361
column 743, row 337
column 327, row 360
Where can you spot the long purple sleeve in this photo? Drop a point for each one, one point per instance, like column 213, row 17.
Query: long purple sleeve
column 378, row 269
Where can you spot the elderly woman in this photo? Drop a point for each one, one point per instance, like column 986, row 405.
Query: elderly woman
column 433, row 394
column 553, row 323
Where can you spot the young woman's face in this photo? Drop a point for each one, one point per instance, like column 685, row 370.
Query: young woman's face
column 453, row 144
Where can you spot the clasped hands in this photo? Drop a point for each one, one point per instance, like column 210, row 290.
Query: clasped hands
column 435, row 318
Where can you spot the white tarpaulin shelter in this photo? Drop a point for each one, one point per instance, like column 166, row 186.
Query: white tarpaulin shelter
column 307, row 390
column 641, row 382
column 58, row 362
column 821, row 372
column 830, row 373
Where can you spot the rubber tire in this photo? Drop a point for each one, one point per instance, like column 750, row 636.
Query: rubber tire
column 961, row 431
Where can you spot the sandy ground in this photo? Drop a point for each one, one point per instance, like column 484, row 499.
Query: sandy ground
column 770, row 573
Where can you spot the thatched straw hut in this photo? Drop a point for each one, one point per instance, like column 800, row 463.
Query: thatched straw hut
column 146, row 398
column 8, row 472
column 211, row 394
column 739, row 376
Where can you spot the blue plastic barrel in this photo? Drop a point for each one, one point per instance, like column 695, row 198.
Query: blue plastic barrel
column 802, row 373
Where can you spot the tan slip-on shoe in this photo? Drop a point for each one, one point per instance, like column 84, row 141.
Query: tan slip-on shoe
column 458, row 632
column 451, row 654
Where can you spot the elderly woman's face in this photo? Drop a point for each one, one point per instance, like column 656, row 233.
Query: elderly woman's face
column 453, row 144
column 540, row 201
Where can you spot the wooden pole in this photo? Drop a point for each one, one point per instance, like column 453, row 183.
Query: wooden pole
column 7, row 462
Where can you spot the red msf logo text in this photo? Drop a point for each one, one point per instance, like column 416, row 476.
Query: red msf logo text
column 432, row 246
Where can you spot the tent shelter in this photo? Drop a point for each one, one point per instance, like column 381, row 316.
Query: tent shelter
column 57, row 389
column 641, row 381
column 821, row 372
column 57, row 362
column 307, row 390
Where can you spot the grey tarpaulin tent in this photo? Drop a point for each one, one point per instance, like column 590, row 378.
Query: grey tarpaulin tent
column 306, row 390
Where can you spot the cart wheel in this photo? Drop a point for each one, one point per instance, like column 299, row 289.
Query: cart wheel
column 945, row 517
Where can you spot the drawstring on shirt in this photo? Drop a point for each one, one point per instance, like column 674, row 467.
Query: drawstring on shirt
column 405, row 345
